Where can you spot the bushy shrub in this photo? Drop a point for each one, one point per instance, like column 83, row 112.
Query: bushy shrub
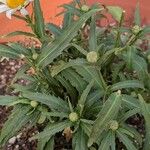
column 84, row 80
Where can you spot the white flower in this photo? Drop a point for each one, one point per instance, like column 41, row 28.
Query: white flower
column 11, row 6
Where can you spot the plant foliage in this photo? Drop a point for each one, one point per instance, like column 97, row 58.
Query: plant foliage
column 84, row 79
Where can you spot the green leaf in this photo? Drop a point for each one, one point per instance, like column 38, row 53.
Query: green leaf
column 80, row 140
column 75, row 79
column 92, row 35
column 91, row 72
column 68, row 19
column 130, row 101
column 94, row 97
column 57, row 31
column 7, row 51
column 79, row 48
column 105, row 143
column 72, row 9
column 140, row 66
column 127, row 84
column 39, row 21
column 134, row 132
column 16, row 121
column 86, row 128
column 113, row 141
column 7, row 100
column 50, row 144
column 71, row 63
column 116, row 12
column 17, row 33
column 52, row 129
column 129, row 55
column 84, row 95
column 55, row 114
column 69, row 88
column 106, row 57
column 129, row 114
column 52, row 101
column 19, row 48
column 108, row 112
column 125, row 140
column 137, row 18
column 146, row 113
column 46, row 143
column 54, row 49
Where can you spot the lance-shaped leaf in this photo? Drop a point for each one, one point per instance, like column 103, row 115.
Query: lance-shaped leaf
column 75, row 79
column 19, row 48
column 127, row 84
column 146, row 113
column 54, row 49
column 93, row 37
column 49, row 100
column 7, row 51
column 7, row 100
column 125, row 140
column 52, row 129
column 84, row 95
column 18, row 33
column 130, row 101
column 39, row 21
column 16, row 121
column 137, row 18
column 80, row 140
column 108, row 112
column 71, row 63
column 105, row 143
column 91, row 72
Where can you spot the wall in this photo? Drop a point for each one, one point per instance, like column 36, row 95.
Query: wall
column 50, row 9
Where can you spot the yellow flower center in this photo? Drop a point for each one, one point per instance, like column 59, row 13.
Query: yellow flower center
column 15, row 3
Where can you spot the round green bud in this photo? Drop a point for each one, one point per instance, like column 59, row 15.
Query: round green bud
column 75, row 40
column 133, row 94
column 136, row 29
column 114, row 125
column 92, row 57
column 34, row 104
column 35, row 56
column 85, row 8
column 73, row 117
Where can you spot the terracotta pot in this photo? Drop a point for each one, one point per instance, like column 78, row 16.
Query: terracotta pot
column 50, row 9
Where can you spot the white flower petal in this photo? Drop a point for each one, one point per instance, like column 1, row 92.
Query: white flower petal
column 23, row 11
column 10, row 12
column 3, row 8
column 3, row 1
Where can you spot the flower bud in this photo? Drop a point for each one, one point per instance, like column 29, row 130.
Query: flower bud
column 113, row 125
column 136, row 29
column 35, row 56
column 41, row 119
column 133, row 94
column 22, row 56
column 34, row 104
column 73, row 117
column 92, row 57
column 85, row 8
